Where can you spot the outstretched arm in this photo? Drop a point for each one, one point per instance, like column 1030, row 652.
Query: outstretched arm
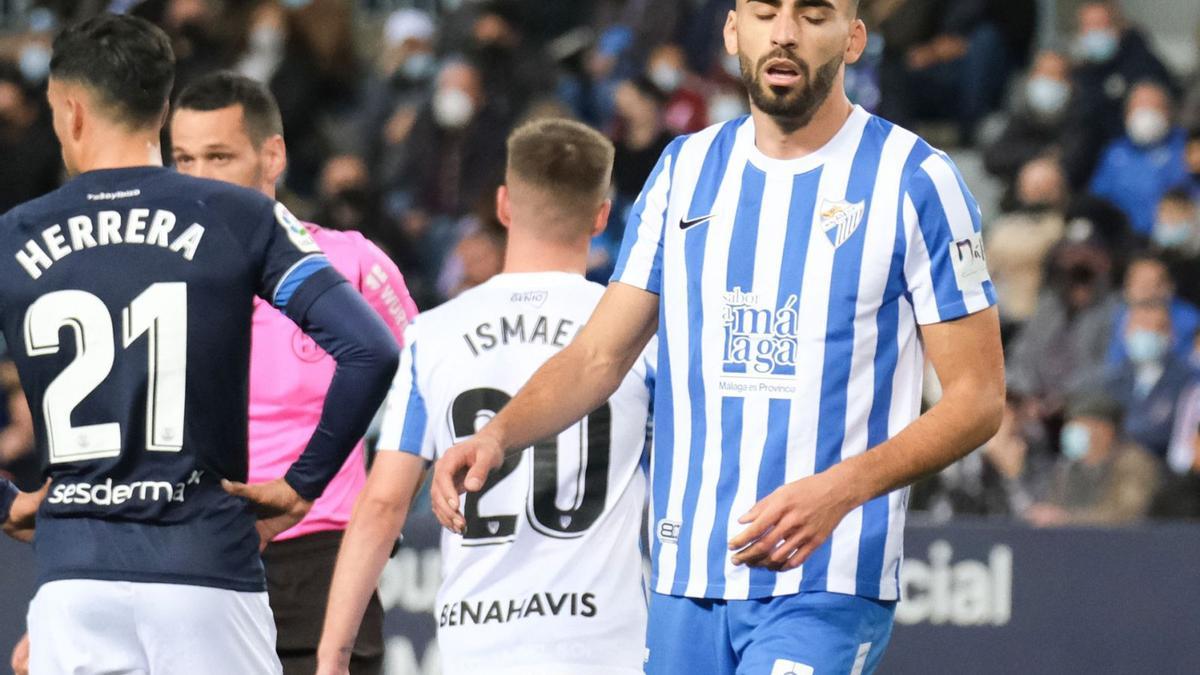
column 570, row 385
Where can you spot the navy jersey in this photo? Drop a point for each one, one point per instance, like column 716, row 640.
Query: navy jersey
column 126, row 298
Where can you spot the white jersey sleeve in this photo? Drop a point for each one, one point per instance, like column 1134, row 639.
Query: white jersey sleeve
column 405, row 425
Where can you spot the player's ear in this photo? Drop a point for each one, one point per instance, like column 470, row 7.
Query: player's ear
column 503, row 206
column 730, row 32
column 76, row 114
column 602, row 218
column 274, row 154
column 858, row 41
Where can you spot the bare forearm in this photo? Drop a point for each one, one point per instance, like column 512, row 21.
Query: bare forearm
column 564, row 390
column 958, row 424
column 364, row 553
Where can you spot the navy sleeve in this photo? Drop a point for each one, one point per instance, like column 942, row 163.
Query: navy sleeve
column 8, row 493
column 333, row 314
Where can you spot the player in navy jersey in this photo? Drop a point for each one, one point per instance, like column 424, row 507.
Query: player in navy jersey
column 798, row 265
column 126, row 299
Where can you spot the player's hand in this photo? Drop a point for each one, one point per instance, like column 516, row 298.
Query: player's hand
column 790, row 523
column 22, row 516
column 20, row 656
column 277, row 505
column 464, row 468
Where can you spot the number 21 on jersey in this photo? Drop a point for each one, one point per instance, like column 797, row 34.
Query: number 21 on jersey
column 159, row 313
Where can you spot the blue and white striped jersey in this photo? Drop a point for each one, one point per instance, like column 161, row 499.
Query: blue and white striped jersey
column 791, row 292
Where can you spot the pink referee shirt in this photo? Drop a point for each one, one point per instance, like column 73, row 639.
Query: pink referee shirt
column 289, row 375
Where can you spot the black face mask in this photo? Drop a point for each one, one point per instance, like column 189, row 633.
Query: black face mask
column 347, row 209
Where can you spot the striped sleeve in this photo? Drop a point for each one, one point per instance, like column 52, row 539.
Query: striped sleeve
column 640, row 261
column 945, row 267
column 405, row 426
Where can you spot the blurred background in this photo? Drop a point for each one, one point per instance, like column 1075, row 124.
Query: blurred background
column 1076, row 124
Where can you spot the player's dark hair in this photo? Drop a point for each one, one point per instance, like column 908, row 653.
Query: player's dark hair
column 223, row 89
column 126, row 62
column 566, row 159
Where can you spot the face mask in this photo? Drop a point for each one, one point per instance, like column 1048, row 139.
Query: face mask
column 296, row 4
column 732, row 65
column 1047, row 97
column 418, row 67
column 666, row 77
column 1146, row 347
column 1097, row 46
column 1075, row 441
column 266, row 40
column 1147, row 126
column 725, row 107
column 452, row 108
column 34, row 62
column 1173, row 235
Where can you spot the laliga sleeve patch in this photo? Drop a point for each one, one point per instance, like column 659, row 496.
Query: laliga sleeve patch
column 296, row 231
column 970, row 262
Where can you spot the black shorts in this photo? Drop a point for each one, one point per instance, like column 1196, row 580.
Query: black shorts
column 299, row 573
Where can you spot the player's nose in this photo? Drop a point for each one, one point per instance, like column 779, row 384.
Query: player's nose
column 784, row 30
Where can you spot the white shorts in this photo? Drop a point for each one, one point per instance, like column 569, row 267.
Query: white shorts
column 82, row 626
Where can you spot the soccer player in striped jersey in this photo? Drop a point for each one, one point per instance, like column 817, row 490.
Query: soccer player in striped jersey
column 546, row 577
column 798, row 265
column 227, row 127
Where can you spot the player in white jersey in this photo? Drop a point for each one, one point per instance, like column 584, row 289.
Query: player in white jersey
column 546, row 574
column 798, row 264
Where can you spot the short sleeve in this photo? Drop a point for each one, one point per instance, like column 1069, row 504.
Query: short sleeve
column 639, row 263
column 384, row 289
column 945, row 266
column 290, row 256
column 405, row 426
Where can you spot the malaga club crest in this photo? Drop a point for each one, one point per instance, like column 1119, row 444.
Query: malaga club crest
column 840, row 220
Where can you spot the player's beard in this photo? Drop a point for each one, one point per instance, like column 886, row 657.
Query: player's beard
column 791, row 109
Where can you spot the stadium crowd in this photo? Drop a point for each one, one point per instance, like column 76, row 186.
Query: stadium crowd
column 396, row 120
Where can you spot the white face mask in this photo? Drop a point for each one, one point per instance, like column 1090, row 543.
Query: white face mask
column 266, row 40
column 732, row 64
column 1047, row 96
column 34, row 62
column 1147, row 126
column 725, row 107
column 452, row 108
column 666, row 77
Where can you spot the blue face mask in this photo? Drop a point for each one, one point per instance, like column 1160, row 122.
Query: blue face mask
column 1097, row 46
column 1146, row 346
column 1075, row 441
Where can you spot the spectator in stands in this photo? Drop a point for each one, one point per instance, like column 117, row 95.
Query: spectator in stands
column 1111, row 57
column 453, row 154
column 1180, row 496
column 1135, row 171
column 513, row 72
column 195, row 36
column 1017, row 243
column 1067, row 336
column 1176, row 239
column 397, row 88
column 686, row 109
column 1007, row 476
column 1151, row 380
column 951, row 59
column 1148, row 282
column 477, row 257
column 1101, row 478
column 26, row 140
column 1192, row 160
column 1045, row 121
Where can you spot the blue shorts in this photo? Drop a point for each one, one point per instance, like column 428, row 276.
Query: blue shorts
column 804, row 634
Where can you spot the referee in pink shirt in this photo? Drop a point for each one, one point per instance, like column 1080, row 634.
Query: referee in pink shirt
column 227, row 127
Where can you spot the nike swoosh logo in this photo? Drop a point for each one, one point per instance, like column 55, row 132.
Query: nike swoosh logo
column 692, row 222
